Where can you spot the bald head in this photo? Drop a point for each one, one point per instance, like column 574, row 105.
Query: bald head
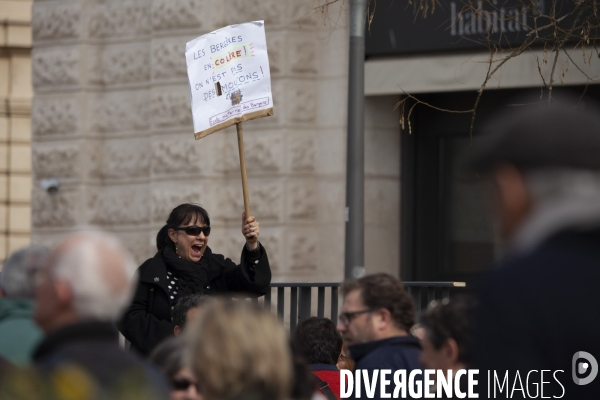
column 105, row 251
column 88, row 277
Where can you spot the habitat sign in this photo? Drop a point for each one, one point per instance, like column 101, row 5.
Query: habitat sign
column 397, row 28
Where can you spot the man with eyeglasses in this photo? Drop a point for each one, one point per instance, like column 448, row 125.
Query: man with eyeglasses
column 376, row 316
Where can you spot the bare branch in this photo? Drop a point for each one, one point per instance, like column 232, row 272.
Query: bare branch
column 556, row 52
column 590, row 79
column 537, row 59
column 324, row 7
column 543, row 28
column 409, row 96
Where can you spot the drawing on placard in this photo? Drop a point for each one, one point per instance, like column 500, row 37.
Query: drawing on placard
column 220, row 65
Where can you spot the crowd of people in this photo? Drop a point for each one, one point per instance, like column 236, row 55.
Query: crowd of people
column 68, row 302
column 189, row 332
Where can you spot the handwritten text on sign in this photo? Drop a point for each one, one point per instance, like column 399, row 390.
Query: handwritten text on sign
column 229, row 77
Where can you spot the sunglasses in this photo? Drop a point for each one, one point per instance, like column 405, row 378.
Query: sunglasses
column 347, row 317
column 194, row 230
column 181, row 384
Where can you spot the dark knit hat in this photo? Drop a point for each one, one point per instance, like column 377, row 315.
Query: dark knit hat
column 561, row 134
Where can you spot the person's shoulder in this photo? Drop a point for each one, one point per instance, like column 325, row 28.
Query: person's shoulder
column 152, row 265
column 219, row 259
column 104, row 361
column 550, row 260
column 397, row 352
column 216, row 256
column 556, row 252
column 331, row 377
column 557, row 272
column 376, row 359
column 516, row 267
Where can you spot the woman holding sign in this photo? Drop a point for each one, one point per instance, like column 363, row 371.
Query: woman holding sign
column 183, row 265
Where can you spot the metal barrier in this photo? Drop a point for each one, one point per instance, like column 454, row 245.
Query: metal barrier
column 301, row 295
column 300, row 298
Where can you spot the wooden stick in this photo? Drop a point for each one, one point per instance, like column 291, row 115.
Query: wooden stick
column 240, row 136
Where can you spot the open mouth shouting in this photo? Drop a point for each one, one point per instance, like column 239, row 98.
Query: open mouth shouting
column 196, row 251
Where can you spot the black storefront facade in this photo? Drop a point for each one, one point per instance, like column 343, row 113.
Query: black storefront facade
column 447, row 229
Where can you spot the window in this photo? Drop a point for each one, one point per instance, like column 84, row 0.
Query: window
column 448, row 230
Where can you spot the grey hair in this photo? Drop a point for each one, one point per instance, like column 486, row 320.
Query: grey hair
column 563, row 184
column 562, row 198
column 100, row 273
column 19, row 270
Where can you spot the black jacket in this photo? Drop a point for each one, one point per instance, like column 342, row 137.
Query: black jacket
column 148, row 320
column 400, row 352
column 93, row 347
column 537, row 310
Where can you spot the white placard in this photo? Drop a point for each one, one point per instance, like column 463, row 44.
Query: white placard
column 233, row 59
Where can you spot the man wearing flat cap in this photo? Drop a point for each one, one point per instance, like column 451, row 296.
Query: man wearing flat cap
column 540, row 308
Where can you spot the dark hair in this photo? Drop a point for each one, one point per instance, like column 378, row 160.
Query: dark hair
column 318, row 340
column 168, row 356
column 181, row 215
column 304, row 383
column 450, row 319
column 384, row 291
column 351, row 363
column 179, row 313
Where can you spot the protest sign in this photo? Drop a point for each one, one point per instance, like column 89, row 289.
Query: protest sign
column 229, row 77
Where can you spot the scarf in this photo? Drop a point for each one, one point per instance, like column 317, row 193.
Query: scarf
column 193, row 276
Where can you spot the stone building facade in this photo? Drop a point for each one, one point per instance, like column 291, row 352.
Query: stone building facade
column 15, row 129
column 111, row 121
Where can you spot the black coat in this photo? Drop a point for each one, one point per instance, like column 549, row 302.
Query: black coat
column 93, row 346
column 537, row 310
column 148, row 320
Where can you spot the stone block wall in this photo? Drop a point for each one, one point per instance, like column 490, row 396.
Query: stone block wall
column 382, row 185
column 111, row 121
